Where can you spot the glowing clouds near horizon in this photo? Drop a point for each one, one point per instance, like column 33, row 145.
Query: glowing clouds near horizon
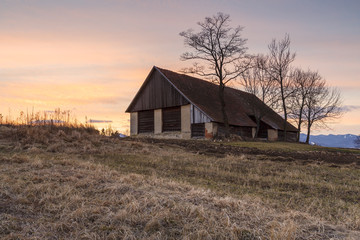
column 91, row 57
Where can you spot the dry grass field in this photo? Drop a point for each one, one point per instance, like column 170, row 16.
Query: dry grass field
column 71, row 183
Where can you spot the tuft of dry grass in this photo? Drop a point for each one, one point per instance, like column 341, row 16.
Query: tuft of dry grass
column 73, row 184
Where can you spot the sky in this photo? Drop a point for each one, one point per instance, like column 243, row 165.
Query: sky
column 91, row 57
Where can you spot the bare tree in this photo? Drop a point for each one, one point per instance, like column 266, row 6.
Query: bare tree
column 220, row 50
column 258, row 82
column 303, row 83
column 322, row 104
column 279, row 69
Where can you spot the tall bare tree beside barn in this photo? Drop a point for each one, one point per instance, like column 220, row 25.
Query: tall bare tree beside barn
column 220, row 52
column 279, row 69
column 322, row 104
column 305, row 84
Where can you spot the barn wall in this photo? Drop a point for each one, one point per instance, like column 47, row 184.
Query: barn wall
column 263, row 130
column 245, row 132
column 145, row 121
column 211, row 130
column 186, row 121
column 157, row 93
column 290, row 136
column 133, row 123
column 272, row 134
column 197, row 116
column 157, row 121
column 171, row 119
column 198, row 130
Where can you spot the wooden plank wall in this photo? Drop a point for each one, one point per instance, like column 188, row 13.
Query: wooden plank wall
column 197, row 116
column 198, row 130
column 290, row 136
column 146, row 121
column 240, row 131
column 171, row 119
column 157, row 93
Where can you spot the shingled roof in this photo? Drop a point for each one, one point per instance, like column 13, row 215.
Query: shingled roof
column 240, row 105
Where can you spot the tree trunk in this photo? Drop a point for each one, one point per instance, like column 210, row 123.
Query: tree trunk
column 223, row 110
column 284, row 104
column 285, row 121
column 285, row 118
column 298, row 135
column 257, row 128
column 300, row 121
column 308, row 133
column 308, row 123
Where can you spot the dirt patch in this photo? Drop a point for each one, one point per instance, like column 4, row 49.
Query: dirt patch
column 222, row 150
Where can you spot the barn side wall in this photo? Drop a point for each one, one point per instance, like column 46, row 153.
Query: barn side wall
column 290, row 136
column 272, row 134
column 211, row 130
column 157, row 121
column 186, row 121
column 244, row 132
column 133, row 123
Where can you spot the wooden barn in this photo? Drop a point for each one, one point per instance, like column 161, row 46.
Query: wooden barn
column 175, row 105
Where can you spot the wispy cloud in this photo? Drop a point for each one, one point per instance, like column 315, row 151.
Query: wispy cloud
column 350, row 108
column 100, row 121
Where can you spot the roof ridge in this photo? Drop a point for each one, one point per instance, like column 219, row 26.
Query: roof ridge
column 200, row 79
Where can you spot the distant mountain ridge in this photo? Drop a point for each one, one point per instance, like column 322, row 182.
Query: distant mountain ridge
column 331, row 140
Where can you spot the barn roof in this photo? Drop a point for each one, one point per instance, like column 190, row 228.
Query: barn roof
column 204, row 95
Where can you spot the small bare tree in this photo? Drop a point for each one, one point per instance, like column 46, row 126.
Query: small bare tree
column 303, row 83
column 220, row 50
column 279, row 69
column 258, row 82
column 322, row 104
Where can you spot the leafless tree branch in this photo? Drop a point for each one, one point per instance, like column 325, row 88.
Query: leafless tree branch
column 222, row 49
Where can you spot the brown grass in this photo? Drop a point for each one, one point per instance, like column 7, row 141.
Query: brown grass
column 290, row 147
column 75, row 184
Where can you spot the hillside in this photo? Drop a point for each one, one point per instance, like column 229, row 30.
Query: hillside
column 72, row 183
column 341, row 140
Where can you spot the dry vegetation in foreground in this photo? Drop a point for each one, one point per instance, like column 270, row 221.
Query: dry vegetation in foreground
column 73, row 183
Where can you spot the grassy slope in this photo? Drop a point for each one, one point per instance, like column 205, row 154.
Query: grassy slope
column 72, row 184
column 331, row 193
column 292, row 147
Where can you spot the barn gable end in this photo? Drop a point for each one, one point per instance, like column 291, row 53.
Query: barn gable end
column 156, row 93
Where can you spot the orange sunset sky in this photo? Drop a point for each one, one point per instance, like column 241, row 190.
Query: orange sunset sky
column 91, row 57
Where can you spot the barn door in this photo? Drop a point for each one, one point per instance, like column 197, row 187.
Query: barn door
column 146, row 121
column 171, row 119
column 198, row 130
